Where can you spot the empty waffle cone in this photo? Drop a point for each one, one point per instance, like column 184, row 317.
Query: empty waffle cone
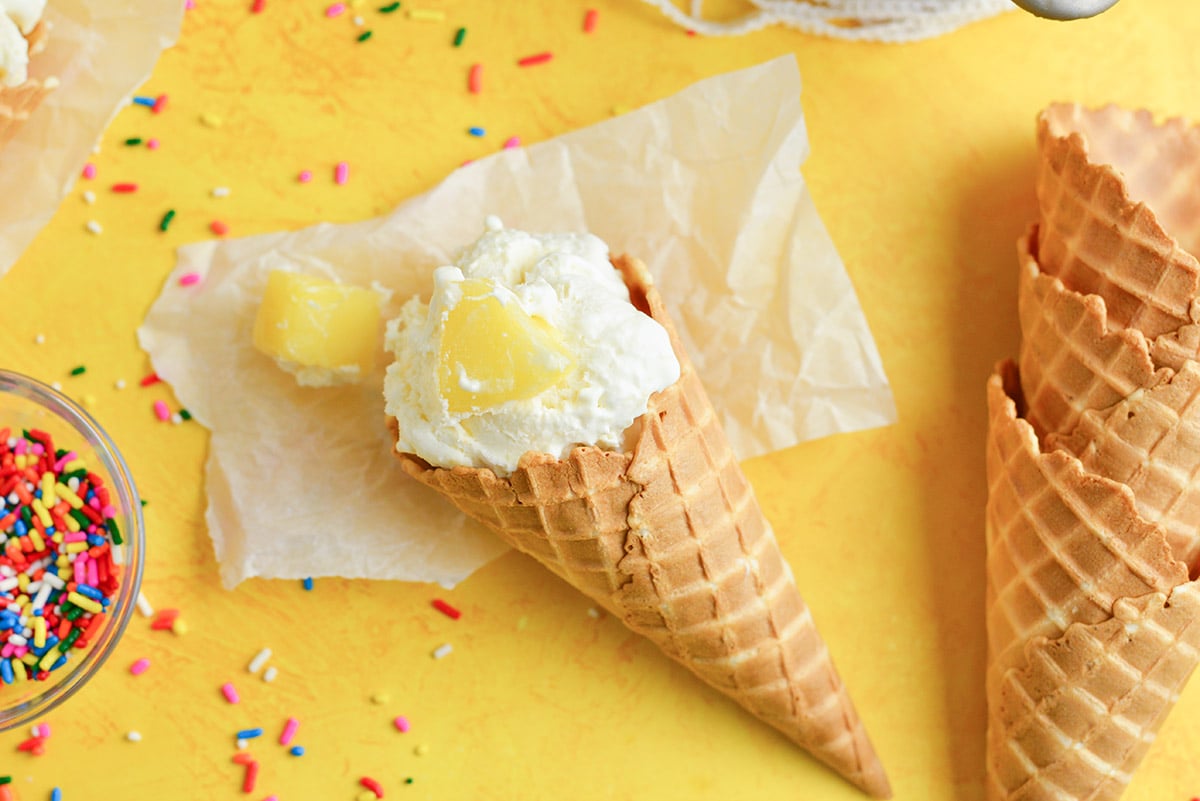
column 669, row 537
column 1092, row 624
column 18, row 102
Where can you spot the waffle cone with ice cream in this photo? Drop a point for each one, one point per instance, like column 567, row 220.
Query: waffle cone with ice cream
column 21, row 98
column 665, row 533
column 1093, row 460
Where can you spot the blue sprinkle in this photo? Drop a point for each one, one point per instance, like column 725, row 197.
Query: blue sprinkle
column 308, row 583
column 142, row 100
column 297, row 750
column 88, row 591
column 56, row 794
column 37, row 493
column 62, row 660
column 476, row 131
column 95, row 540
column 6, row 671
column 20, row 529
column 249, row 734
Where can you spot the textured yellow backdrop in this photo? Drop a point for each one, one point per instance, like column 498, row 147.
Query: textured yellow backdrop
column 922, row 167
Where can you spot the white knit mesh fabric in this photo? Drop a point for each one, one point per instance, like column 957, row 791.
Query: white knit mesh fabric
column 861, row 20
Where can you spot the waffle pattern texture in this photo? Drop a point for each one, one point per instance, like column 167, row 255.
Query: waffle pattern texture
column 1093, row 461
column 668, row 537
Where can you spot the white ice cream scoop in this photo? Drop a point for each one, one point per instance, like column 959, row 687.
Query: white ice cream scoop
column 1065, row 9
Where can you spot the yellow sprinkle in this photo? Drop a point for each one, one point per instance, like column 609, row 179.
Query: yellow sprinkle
column 89, row 400
column 39, row 509
column 38, row 544
column 20, row 461
column 24, row 603
column 421, row 750
column 380, row 698
column 76, row 547
column 49, row 659
column 365, row 795
column 85, row 603
column 19, row 670
column 211, row 120
column 57, row 538
column 72, row 523
column 179, row 627
column 30, row 658
column 72, row 466
column 48, row 496
column 426, row 15
column 62, row 562
column 70, row 497
column 617, row 111
column 39, row 632
column 23, row 578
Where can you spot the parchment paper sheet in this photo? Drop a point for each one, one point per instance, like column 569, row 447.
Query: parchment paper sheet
column 704, row 186
column 101, row 51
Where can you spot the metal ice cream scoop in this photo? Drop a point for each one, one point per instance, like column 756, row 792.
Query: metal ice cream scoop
column 1065, row 9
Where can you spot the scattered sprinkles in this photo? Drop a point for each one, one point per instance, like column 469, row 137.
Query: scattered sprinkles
column 144, row 101
column 270, row 673
column 133, row 141
column 211, row 120
column 165, row 619
column 250, row 734
column 134, row 737
column 289, row 731
column 297, row 750
column 189, row 279
column 335, row 10
column 149, row 380
column 512, row 142
column 89, row 171
column 152, row 144
column 388, row 9
column 401, row 723
column 94, row 227
column 305, row 176
column 258, row 6
column 475, row 79
column 364, row 36
column 589, row 20
column 80, row 370
column 230, row 692
column 372, row 785
column 251, row 777
column 308, row 584
column 162, row 413
column 220, row 191
column 125, row 189
column 442, row 650
column 459, row 35
column 160, row 103
column 477, row 131
column 341, row 173
column 89, row 196
column 535, row 59
column 219, row 228
column 140, row 666
column 166, row 220
column 260, row 659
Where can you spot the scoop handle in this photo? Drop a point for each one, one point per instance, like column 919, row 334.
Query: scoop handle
column 1065, row 9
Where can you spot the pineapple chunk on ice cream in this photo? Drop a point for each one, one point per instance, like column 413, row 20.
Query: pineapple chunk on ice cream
column 322, row 332
column 528, row 343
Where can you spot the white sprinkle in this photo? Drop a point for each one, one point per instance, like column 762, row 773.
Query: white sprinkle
column 134, row 737
column 56, row 386
column 144, row 606
column 220, row 191
column 593, row 612
column 35, row 730
column 442, row 650
column 94, row 227
column 89, row 196
column 270, row 673
column 119, row 383
column 17, row 640
column 241, row 744
column 40, row 339
column 177, row 418
column 260, row 659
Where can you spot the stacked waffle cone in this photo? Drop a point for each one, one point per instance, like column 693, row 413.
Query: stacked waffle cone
column 18, row 102
column 1093, row 461
column 669, row 537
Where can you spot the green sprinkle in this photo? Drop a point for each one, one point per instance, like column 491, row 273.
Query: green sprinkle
column 458, row 37
column 136, row 140
column 166, row 220
column 80, row 518
column 184, row 414
column 364, row 36
column 409, row 780
column 60, row 453
column 388, row 9
column 5, row 779
column 71, row 638
column 80, row 474
column 80, row 370
column 115, row 531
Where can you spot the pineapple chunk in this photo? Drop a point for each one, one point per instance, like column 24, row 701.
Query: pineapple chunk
column 322, row 332
column 493, row 352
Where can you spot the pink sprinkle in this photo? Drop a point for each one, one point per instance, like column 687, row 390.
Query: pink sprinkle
column 341, row 173
column 93, row 573
column 536, row 58
column 188, row 279
column 335, row 10
column 589, row 20
column 475, row 79
column 305, row 176
column 289, row 731
column 75, row 536
column 70, row 456
column 230, row 693
column 139, row 667
column 161, row 411
column 152, row 144
column 7, row 650
column 513, row 141
column 219, row 228
column 189, row 5
column 43, row 730
column 401, row 723
column 89, row 171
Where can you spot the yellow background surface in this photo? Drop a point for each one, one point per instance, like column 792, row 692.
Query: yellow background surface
column 922, row 168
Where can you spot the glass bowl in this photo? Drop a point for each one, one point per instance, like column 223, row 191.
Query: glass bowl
column 27, row 404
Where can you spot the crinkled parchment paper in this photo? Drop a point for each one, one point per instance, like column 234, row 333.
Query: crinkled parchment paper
column 100, row 51
column 705, row 186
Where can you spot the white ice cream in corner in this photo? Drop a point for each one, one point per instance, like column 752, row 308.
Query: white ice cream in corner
column 529, row 343
column 18, row 18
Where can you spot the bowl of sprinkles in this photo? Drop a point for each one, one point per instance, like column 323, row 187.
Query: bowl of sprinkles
column 71, row 548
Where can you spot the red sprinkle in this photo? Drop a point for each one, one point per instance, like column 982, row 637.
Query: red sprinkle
column 219, row 228
column 537, row 58
column 33, row 745
column 160, row 103
column 475, row 79
column 124, row 189
column 589, row 20
column 446, row 609
column 242, row 758
column 150, row 380
column 257, row 7
column 372, row 785
column 251, row 777
column 164, row 620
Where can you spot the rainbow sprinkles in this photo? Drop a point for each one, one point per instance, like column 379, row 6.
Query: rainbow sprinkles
column 58, row 576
